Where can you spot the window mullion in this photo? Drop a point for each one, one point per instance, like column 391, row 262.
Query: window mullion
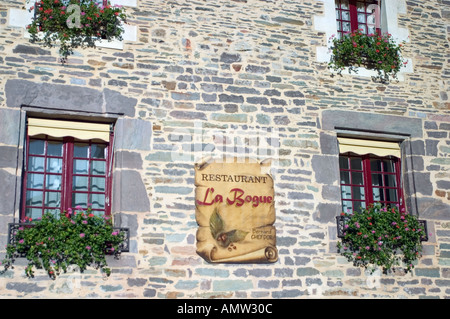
column 66, row 191
column 353, row 15
column 367, row 180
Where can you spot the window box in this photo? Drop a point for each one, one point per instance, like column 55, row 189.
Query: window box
column 342, row 219
column 75, row 23
column 373, row 51
column 14, row 227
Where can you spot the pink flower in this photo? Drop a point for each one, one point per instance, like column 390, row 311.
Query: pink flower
column 88, row 247
column 78, row 207
column 21, row 241
column 82, row 235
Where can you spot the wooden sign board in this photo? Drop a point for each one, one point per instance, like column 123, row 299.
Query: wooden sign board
column 235, row 211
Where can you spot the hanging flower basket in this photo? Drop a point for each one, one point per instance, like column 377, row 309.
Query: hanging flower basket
column 55, row 242
column 70, row 24
column 381, row 237
column 374, row 51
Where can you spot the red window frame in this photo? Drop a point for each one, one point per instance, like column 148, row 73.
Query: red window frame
column 366, row 171
column 347, row 11
column 67, row 175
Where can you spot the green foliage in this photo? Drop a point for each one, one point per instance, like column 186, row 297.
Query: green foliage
column 373, row 51
column 75, row 23
column 381, row 236
column 55, row 242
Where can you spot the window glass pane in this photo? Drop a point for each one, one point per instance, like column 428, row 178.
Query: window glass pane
column 357, row 178
column 81, row 150
column 363, row 27
column 375, row 165
column 37, row 147
column 98, row 184
column 345, row 177
column 360, row 7
column 378, row 194
column 389, row 166
column 52, row 199
column 347, row 206
column 34, row 198
column 36, row 164
column 346, row 192
column 346, row 26
column 361, row 18
column 35, row 181
column 389, row 181
column 98, row 151
column 79, row 199
column 377, row 179
column 54, row 165
column 97, row 201
column 391, row 195
column 343, row 162
column 53, row 182
column 356, row 163
column 346, row 15
column 54, row 148
column 98, row 168
column 344, row 4
column 80, row 183
column 80, row 166
column 34, row 213
column 358, row 193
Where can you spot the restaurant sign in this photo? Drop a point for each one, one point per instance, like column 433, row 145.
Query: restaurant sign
column 235, row 211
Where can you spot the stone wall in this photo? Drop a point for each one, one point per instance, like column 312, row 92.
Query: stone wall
column 240, row 78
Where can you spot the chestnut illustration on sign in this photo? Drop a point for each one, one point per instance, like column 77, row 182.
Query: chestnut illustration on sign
column 224, row 238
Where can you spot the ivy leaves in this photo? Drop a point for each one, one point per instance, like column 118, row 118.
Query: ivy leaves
column 224, row 238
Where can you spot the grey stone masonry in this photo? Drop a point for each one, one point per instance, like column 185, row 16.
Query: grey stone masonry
column 240, row 78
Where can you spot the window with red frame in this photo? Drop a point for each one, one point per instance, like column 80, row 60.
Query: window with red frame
column 63, row 173
column 358, row 14
column 368, row 179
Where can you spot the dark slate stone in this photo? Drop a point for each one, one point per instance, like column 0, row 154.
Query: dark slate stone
column 328, row 144
column 8, row 156
column 188, row 115
column 326, row 168
column 431, row 147
column 230, row 58
column 117, row 103
column 66, row 97
column 257, row 69
column 133, row 134
column 326, row 213
column 7, row 194
column 26, row 49
column 130, row 192
column 126, row 159
column 357, row 120
column 423, row 183
column 9, row 123
column 432, row 208
column 24, row 287
column 231, row 98
column 418, row 147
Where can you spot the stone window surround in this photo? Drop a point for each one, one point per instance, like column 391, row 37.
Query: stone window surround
column 380, row 127
column 21, row 18
column 32, row 111
column 389, row 23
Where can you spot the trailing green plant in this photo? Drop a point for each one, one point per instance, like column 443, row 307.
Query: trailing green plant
column 55, row 242
column 75, row 23
column 381, row 237
column 373, row 51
